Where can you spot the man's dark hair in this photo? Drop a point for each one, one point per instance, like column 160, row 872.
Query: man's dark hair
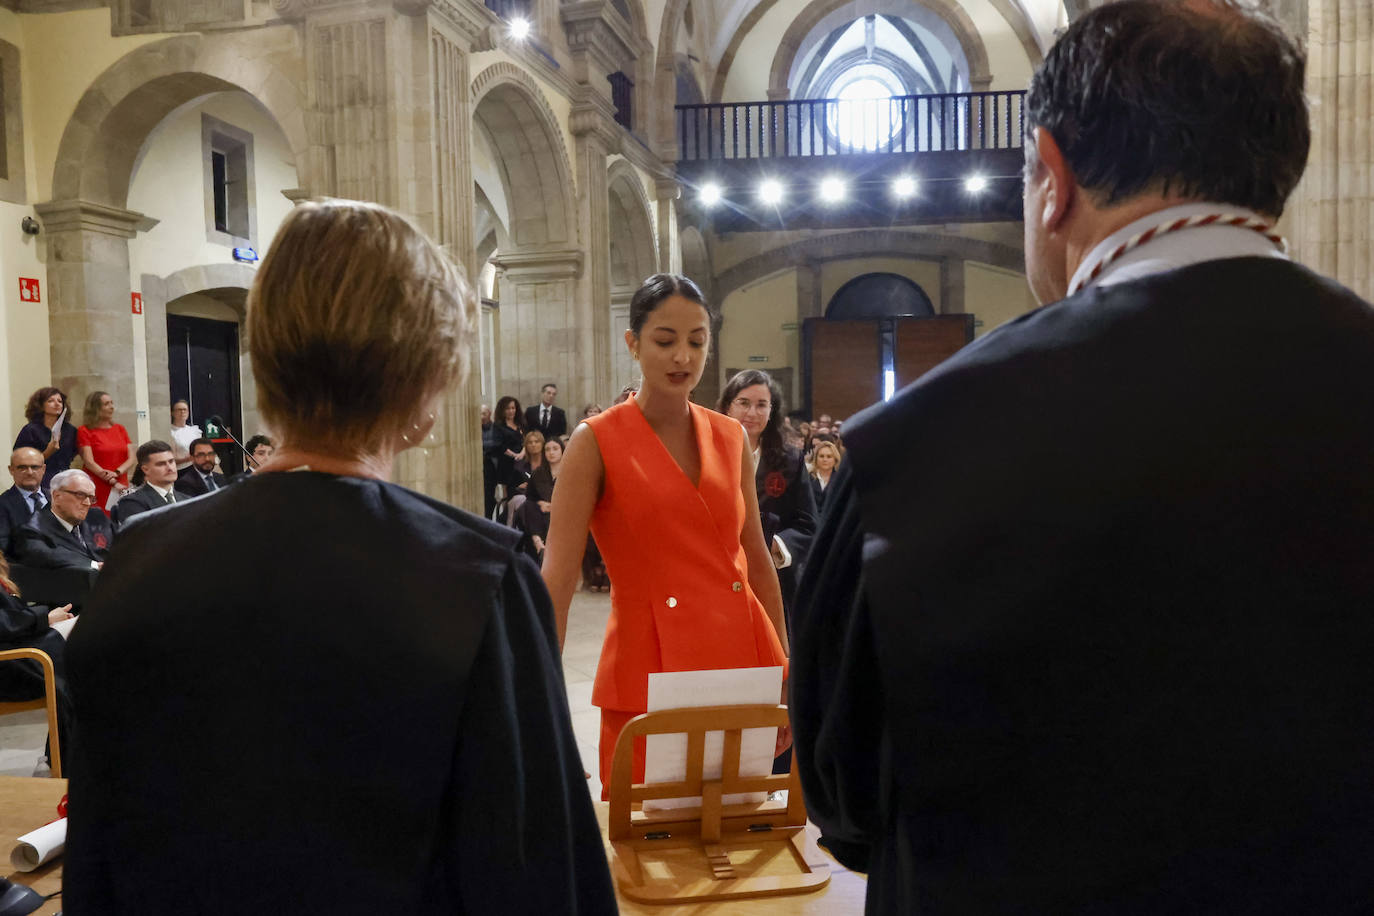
column 149, row 449
column 552, row 385
column 253, row 443
column 197, row 443
column 1197, row 98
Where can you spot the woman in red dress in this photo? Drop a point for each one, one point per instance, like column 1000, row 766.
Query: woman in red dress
column 667, row 488
column 107, row 452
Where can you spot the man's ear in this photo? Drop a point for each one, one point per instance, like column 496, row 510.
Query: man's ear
column 1056, row 178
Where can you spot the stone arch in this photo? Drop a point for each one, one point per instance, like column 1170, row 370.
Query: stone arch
column 527, row 139
column 632, row 222
column 811, row 25
column 876, row 243
column 100, row 145
column 227, row 283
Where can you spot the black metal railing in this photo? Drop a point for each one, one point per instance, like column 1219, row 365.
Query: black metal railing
column 622, row 94
column 835, row 127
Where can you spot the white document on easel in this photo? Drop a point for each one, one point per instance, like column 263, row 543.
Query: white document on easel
column 665, row 756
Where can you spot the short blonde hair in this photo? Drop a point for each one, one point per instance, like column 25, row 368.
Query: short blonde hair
column 355, row 319
column 816, row 453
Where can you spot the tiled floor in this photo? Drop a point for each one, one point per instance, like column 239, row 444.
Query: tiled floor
column 22, row 735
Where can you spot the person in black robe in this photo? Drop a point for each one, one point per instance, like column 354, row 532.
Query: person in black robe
column 367, row 713
column 29, row 626
column 1099, row 642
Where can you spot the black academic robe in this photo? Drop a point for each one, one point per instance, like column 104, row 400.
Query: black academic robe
column 25, row 626
column 15, row 511
column 1102, row 642
column 367, row 716
column 787, row 509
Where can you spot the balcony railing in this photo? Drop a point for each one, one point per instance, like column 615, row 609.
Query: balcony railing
column 840, row 127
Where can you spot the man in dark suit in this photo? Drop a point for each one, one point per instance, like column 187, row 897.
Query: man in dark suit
column 1086, row 627
column 544, row 416
column 19, row 503
column 158, row 464
column 201, row 477
column 66, row 534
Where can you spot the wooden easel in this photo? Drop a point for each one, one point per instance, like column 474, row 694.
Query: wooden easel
column 714, row 828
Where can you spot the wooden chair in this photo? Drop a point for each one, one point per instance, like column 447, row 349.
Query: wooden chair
column 49, row 700
column 757, row 832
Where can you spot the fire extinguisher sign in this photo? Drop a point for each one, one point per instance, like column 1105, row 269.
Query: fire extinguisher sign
column 138, row 303
column 28, row 290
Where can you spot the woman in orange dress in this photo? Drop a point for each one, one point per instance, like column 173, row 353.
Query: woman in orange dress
column 107, row 452
column 667, row 489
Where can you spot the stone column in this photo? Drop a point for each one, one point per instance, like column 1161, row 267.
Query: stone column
column 1331, row 218
column 389, row 120
column 595, row 135
column 90, row 324
column 809, row 304
column 667, row 192
column 951, row 286
column 540, row 336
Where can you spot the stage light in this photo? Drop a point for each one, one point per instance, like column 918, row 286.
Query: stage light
column 833, row 190
column 904, row 187
column 520, row 28
column 975, row 183
column 770, row 192
column 709, row 195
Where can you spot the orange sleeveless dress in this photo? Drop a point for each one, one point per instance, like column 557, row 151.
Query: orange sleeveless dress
column 680, row 595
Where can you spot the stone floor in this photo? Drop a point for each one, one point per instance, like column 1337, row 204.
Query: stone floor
column 22, row 735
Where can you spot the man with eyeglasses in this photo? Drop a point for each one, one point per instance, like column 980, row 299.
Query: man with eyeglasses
column 64, row 535
column 20, row 502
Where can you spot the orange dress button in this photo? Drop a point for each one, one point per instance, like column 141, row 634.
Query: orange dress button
column 672, row 602
column 738, row 586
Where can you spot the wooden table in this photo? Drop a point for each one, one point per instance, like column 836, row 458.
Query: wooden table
column 27, row 803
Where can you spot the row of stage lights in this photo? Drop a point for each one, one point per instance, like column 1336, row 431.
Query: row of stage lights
column 832, row 190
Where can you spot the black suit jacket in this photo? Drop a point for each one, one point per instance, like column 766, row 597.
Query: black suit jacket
column 787, row 509
column 139, row 500
column 558, row 421
column 46, row 544
column 1099, row 642
column 438, row 646
column 191, row 483
column 15, row 512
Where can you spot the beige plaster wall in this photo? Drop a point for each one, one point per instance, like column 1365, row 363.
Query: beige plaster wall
column 26, row 362
column 560, row 105
column 169, row 185
column 740, row 246
column 1011, row 68
column 925, row 274
column 994, row 295
column 753, row 320
column 62, row 54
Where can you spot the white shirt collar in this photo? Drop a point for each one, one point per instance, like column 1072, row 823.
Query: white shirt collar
column 165, row 491
column 63, row 522
column 1176, row 249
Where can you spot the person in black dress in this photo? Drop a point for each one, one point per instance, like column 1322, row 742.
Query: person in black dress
column 56, row 441
column 507, row 443
column 367, row 715
column 825, row 461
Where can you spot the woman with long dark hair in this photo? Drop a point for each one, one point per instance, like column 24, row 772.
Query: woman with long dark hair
column 508, row 441
column 57, row 442
column 667, row 487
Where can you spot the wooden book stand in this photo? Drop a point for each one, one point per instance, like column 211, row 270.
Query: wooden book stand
column 757, row 832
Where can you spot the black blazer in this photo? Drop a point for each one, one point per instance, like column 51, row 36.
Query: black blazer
column 37, row 435
column 787, row 509
column 45, row 544
column 419, row 729
column 191, row 483
column 558, row 421
column 139, row 500
column 15, row 511
column 1100, row 641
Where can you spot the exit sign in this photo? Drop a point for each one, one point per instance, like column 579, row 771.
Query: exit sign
column 758, row 359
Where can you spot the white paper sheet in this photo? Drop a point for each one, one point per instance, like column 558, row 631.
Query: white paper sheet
column 38, row 846
column 65, row 627
column 666, row 755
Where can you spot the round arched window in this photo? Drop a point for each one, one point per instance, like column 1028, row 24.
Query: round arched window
column 866, row 116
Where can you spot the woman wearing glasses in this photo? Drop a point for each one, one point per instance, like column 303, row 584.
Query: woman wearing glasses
column 667, row 487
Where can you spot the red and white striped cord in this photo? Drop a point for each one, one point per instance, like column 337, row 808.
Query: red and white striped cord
column 1191, row 222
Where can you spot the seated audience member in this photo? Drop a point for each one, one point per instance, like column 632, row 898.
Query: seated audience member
column 157, row 463
column 529, row 461
column 823, row 466
column 241, row 734
column 55, row 440
column 261, row 449
column 202, row 478
column 1086, row 627
column 20, row 502
column 534, row 513
column 29, row 626
column 66, row 533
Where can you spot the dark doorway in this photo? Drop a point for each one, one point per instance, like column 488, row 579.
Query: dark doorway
column 203, row 365
column 879, row 295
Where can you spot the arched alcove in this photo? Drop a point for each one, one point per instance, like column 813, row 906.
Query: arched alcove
column 879, row 295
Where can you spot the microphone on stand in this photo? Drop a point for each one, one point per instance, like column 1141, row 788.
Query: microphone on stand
column 217, row 422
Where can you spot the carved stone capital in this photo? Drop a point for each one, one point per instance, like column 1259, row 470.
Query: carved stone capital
column 596, row 30
column 666, row 188
column 592, row 114
column 539, row 263
column 84, row 216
